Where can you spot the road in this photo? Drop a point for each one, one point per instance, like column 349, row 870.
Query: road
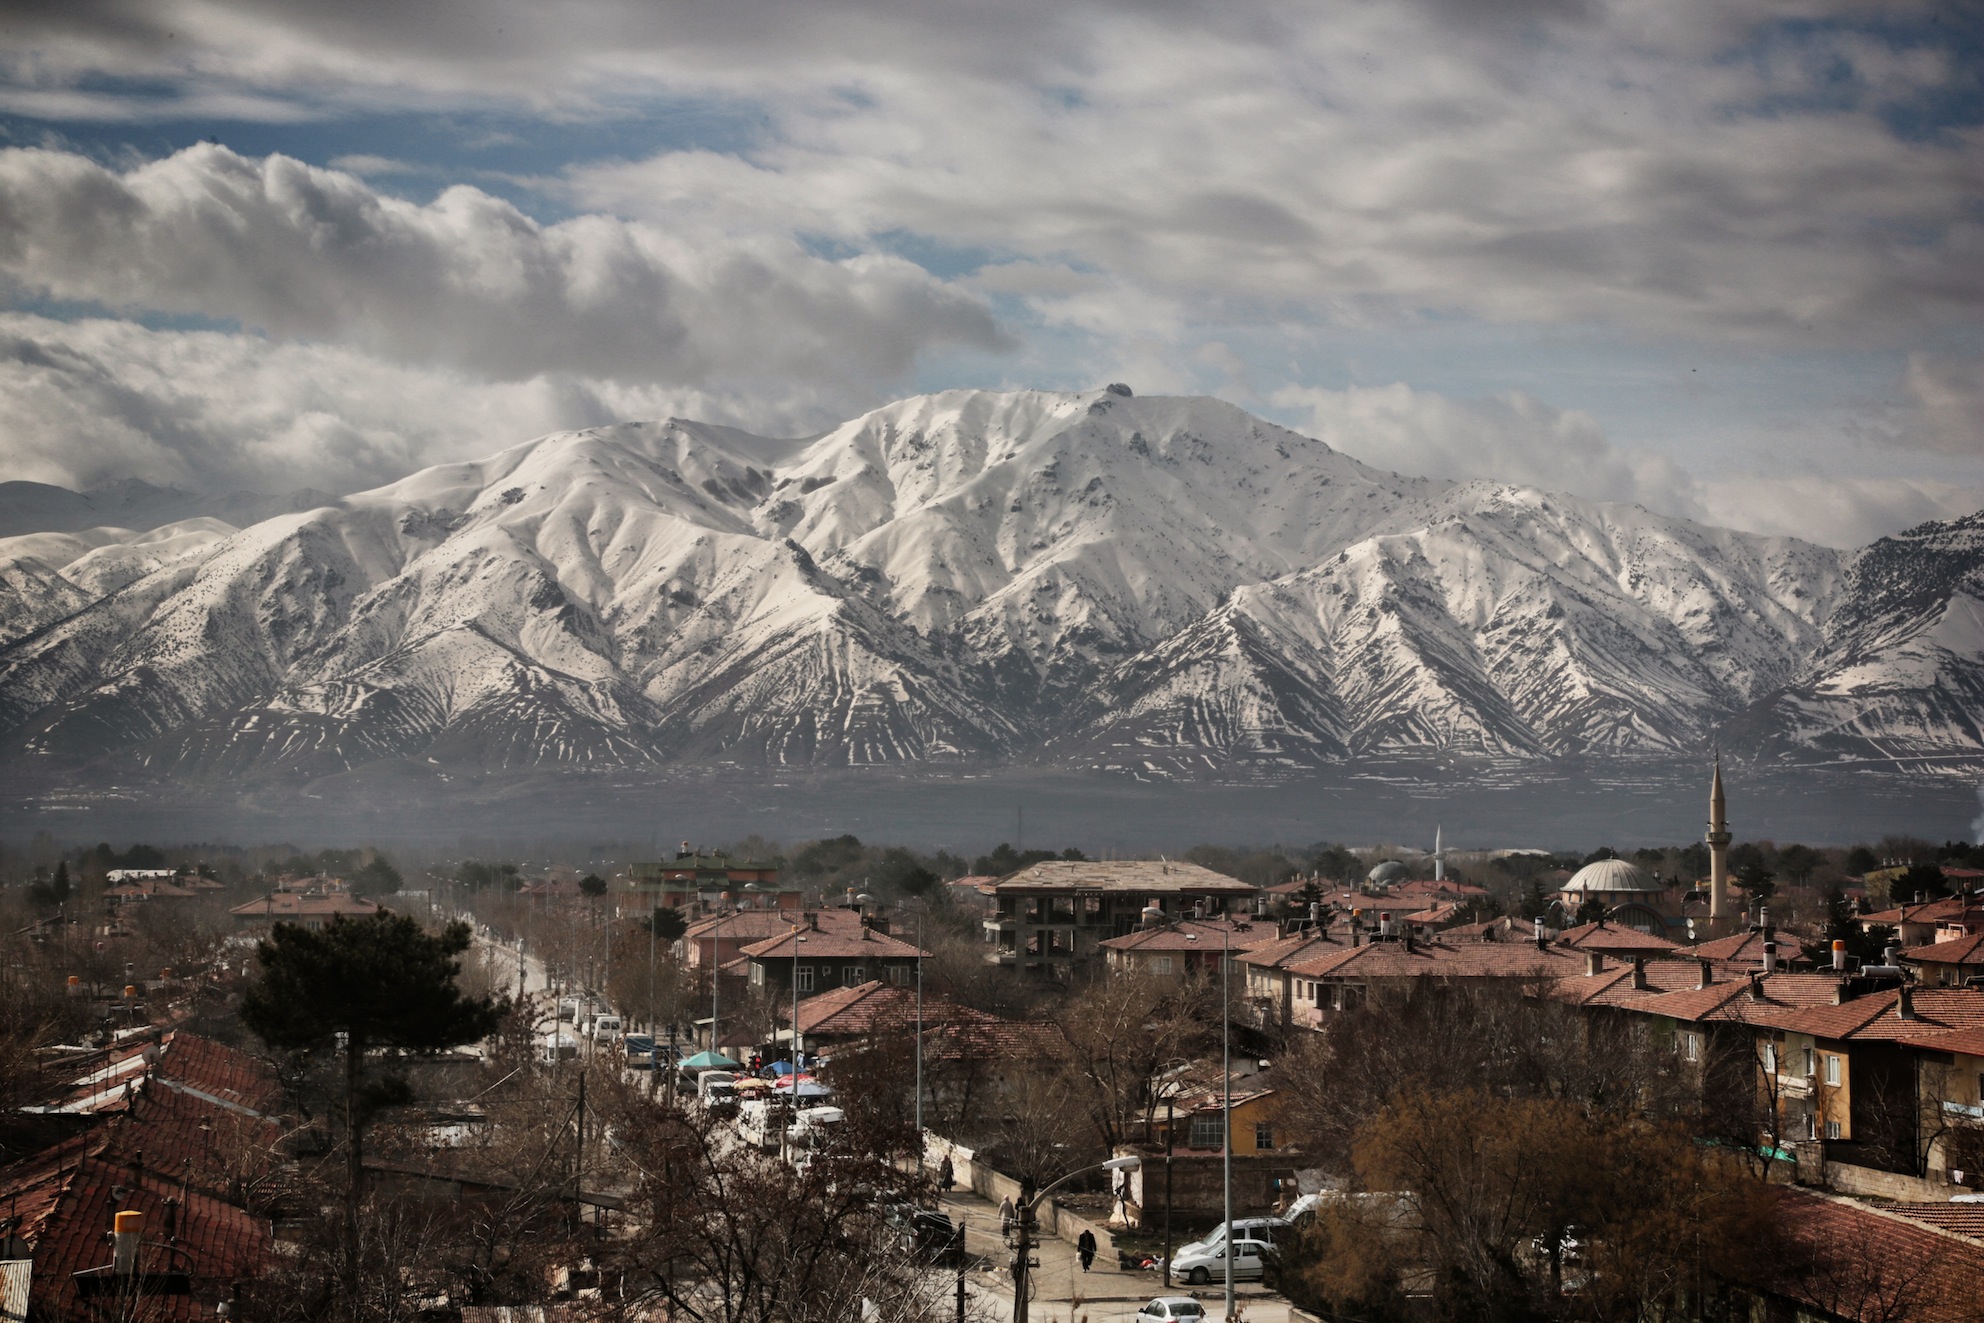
column 1063, row 1293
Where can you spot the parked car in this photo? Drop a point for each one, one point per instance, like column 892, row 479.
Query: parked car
column 1210, row 1265
column 716, row 1090
column 926, row 1233
column 640, row 1051
column 1252, row 1228
column 1172, row 1309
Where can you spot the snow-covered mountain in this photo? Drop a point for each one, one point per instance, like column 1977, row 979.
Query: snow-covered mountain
column 1092, row 579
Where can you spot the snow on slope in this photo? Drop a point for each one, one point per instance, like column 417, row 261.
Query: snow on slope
column 1090, row 577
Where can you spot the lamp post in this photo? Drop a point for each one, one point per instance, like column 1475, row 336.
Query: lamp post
column 1023, row 1219
column 792, row 1102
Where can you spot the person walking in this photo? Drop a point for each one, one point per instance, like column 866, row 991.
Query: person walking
column 1085, row 1246
column 946, row 1174
column 1006, row 1216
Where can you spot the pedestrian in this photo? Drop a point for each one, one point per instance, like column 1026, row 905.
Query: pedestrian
column 1006, row 1216
column 946, row 1174
column 1085, row 1246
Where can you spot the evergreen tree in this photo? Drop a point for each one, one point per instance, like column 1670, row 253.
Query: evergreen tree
column 1758, row 883
column 381, row 983
column 592, row 884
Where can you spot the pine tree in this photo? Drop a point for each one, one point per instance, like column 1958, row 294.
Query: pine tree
column 380, row 982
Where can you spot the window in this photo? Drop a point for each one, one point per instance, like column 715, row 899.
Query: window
column 1160, row 964
column 899, row 974
column 1832, row 1070
column 803, row 978
column 851, row 975
column 757, row 976
column 1691, row 1047
column 1811, row 1125
column 1811, row 1063
column 1770, row 1059
column 1263, row 1136
column 1832, row 1130
column 1207, row 1131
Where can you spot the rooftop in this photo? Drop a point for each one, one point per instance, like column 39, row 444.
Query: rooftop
column 1157, row 877
column 1965, row 950
column 1197, row 935
column 1876, row 1016
column 855, row 943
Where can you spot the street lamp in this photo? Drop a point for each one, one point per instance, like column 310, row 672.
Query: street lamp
column 1023, row 1216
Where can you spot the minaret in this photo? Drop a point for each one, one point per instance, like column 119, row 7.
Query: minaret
column 1718, row 848
column 1439, row 857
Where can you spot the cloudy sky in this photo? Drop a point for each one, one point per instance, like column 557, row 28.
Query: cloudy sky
column 1721, row 257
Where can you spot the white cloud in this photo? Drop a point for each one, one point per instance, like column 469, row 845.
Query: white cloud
column 1512, row 437
column 89, row 401
column 1516, row 438
column 1948, row 394
column 466, row 281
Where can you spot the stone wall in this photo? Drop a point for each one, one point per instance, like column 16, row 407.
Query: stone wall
column 1870, row 1182
column 1198, row 1185
column 992, row 1185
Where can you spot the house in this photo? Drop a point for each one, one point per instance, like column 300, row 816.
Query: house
column 1197, row 1118
column 1057, row 913
column 1189, row 948
column 719, row 940
column 1847, row 1260
column 1615, row 940
column 810, row 957
column 1915, row 924
column 693, row 879
column 306, row 909
column 1948, row 962
column 1861, row 1061
column 1950, row 1077
column 1338, row 979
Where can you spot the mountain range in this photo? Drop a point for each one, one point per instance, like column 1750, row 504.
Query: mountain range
column 1165, row 586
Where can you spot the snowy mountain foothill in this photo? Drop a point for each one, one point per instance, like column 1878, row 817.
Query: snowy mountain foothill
column 1160, row 586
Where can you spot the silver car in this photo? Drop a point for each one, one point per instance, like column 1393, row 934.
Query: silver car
column 1210, row 1265
column 1172, row 1309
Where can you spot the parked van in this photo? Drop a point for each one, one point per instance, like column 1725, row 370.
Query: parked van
column 762, row 1121
column 605, row 1027
column 716, row 1090
column 560, row 1046
column 568, row 1009
column 814, row 1127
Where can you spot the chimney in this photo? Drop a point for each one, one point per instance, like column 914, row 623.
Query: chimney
column 1316, row 913
column 1594, row 962
column 1904, row 1005
column 127, row 1228
column 1839, row 957
column 1408, row 941
column 1639, row 973
column 1770, row 957
column 1707, row 974
column 1756, row 987
column 1542, row 943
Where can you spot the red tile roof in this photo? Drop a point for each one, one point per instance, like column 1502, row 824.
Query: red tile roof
column 827, row 944
column 1196, row 935
column 1610, row 937
column 1855, row 1262
column 1875, row 1017
column 879, row 1010
column 1744, row 948
column 1156, row 877
column 1614, row 986
column 1967, row 950
column 1927, row 912
column 295, row 905
column 1391, row 959
column 756, row 925
column 1968, row 1042
column 1961, row 1219
column 1783, row 995
column 1288, row 950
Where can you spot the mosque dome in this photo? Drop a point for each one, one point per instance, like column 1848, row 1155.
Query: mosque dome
column 1389, row 871
column 1612, row 875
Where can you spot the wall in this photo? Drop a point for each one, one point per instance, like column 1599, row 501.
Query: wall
column 993, row 1186
column 1869, row 1182
column 1198, row 1184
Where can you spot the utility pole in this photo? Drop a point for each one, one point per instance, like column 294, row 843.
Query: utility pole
column 919, row 1036
column 1022, row 1218
column 1170, row 1146
column 1226, row 1096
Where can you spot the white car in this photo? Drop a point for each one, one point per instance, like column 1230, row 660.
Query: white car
column 1210, row 1265
column 1172, row 1309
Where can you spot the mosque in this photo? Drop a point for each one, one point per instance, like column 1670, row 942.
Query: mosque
column 1665, row 907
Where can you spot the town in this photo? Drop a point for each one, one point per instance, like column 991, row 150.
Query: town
column 1719, row 1080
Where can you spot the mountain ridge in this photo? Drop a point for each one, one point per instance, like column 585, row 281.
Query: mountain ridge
column 1162, row 585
